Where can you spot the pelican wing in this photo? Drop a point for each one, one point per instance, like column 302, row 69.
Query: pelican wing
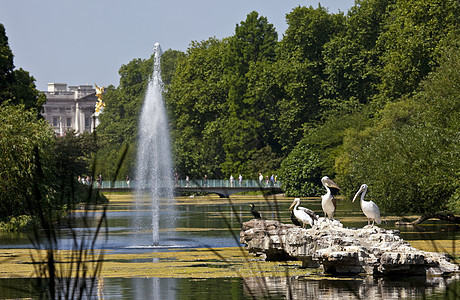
column 309, row 212
column 371, row 210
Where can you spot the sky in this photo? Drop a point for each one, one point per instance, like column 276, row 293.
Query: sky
column 87, row 41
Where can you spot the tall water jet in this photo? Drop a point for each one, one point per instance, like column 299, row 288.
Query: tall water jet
column 154, row 178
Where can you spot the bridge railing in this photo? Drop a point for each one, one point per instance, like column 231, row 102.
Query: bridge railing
column 210, row 183
column 221, row 183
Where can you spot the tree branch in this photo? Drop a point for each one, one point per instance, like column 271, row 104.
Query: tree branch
column 440, row 216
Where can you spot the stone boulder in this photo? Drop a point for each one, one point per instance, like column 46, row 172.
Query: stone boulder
column 338, row 250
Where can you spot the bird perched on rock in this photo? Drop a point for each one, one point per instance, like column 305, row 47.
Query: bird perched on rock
column 303, row 214
column 294, row 219
column 328, row 202
column 369, row 208
column 254, row 212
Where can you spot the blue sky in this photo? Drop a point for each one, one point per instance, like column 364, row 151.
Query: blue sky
column 86, row 41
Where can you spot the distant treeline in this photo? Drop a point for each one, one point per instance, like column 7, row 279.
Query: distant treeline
column 371, row 96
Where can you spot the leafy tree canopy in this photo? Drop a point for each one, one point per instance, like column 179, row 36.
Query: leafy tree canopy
column 16, row 86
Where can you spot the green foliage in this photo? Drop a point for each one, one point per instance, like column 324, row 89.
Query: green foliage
column 36, row 165
column 409, row 157
column 195, row 100
column 16, row 86
column 309, row 29
column 19, row 223
column 352, row 58
column 22, row 137
column 169, row 61
column 301, row 171
column 414, row 30
column 249, row 52
column 300, row 71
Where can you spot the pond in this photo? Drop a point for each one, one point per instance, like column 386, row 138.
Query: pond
column 200, row 258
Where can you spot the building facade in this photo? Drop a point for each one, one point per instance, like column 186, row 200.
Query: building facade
column 70, row 108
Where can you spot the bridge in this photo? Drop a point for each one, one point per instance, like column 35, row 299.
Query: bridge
column 223, row 188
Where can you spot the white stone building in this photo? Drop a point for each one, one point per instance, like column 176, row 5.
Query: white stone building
column 70, row 108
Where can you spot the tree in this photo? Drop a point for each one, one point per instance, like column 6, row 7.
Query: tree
column 409, row 156
column 195, row 101
column 410, row 43
column 301, row 171
column 249, row 50
column 16, row 86
column 300, row 67
column 352, row 58
column 169, row 61
column 22, row 138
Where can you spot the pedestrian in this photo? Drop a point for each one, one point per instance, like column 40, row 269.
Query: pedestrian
column 176, row 179
column 128, row 181
column 261, row 178
column 205, row 180
column 272, row 180
column 187, row 180
column 231, row 180
column 240, row 179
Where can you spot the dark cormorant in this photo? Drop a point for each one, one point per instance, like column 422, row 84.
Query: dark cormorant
column 254, row 212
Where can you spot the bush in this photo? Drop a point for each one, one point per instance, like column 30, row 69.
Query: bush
column 301, row 171
column 19, row 223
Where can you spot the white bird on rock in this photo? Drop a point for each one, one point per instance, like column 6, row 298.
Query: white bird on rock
column 369, row 208
column 303, row 214
column 328, row 202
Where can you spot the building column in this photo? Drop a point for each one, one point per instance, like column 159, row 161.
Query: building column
column 61, row 127
column 82, row 121
column 77, row 117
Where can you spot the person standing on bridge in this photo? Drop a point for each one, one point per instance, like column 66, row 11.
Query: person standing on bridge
column 261, row 178
column 231, row 180
column 128, row 182
column 240, row 179
column 205, row 180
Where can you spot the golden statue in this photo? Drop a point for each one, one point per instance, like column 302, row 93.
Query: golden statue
column 99, row 92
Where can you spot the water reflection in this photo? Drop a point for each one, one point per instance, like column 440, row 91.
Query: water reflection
column 253, row 288
column 358, row 288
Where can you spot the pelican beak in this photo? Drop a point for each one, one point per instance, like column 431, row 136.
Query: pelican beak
column 292, row 205
column 331, row 183
column 357, row 194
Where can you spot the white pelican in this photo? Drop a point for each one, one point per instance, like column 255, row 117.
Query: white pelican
column 294, row 219
column 303, row 214
column 254, row 212
column 369, row 208
column 328, row 201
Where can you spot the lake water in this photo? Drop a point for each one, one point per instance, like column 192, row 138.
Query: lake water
column 209, row 221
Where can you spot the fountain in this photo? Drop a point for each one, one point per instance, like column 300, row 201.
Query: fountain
column 154, row 165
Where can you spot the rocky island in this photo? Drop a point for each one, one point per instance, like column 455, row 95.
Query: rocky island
column 347, row 251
